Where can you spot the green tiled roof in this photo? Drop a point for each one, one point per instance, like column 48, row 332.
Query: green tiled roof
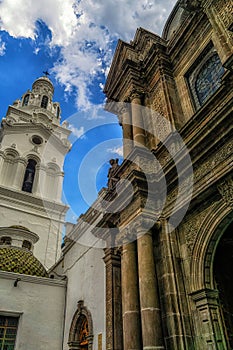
column 18, row 260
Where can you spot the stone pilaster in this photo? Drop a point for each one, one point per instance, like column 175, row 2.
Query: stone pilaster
column 40, row 178
column 114, row 332
column 177, row 333
column 209, row 330
column 152, row 336
column 219, row 13
column 137, row 118
column 130, row 298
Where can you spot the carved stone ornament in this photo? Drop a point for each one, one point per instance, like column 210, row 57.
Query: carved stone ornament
column 191, row 5
column 224, row 9
column 226, row 191
column 191, row 227
column 112, row 178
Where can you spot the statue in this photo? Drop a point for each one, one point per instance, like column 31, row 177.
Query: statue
column 112, row 178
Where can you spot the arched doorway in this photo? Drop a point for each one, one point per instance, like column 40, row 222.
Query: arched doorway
column 223, row 275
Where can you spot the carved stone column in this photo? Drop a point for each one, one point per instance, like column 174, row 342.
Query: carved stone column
column 126, row 122
column 209, row 329
column 152, row 336
column 137, row 118
column 130, row 298
column 114, row 332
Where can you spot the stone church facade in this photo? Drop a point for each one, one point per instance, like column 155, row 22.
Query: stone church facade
column 173, row 279
column 149, row 265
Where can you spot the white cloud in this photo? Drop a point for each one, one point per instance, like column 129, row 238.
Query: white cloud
column 85, row 31
column 2, row 47
column 116, row 150
column 36, row 50
column 77, row 132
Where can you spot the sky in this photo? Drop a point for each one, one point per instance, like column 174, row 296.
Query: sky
column 75, row 41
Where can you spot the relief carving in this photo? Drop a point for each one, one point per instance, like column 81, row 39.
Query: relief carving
column 191, row 226
column 224, row 9
column 226, row 191
column 213, row 161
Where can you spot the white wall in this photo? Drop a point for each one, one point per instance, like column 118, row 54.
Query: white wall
column 85, row 269
column 46, row 225
column 40, row 304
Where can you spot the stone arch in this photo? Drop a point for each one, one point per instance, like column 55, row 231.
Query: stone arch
column 207, row 315
column 32, row 156
column 11, row 153
column 80, row 315
column 53, row 168
column 8, row 169
column 208, row 237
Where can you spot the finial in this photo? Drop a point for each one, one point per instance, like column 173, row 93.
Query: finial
column 46, row 73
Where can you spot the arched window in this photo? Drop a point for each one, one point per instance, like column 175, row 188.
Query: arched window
column 29, row 176
column 44, row 102
column 27, row 245
column 5, row 240
column 25, row 100
column 209, row 78
column 58, row 111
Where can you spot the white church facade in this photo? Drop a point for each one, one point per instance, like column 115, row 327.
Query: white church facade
column 49, row 299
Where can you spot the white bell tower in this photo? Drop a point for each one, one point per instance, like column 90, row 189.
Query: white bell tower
column 32, row 150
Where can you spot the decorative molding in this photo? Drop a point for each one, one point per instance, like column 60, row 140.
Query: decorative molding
column 224, row 10
column 81, row 313
column 191, row 226
column 226, row 190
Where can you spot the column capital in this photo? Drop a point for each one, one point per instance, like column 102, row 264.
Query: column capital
column 204, row 296
column 136, row 94
column 145, row 224
column 126, row 235
column 112, row 255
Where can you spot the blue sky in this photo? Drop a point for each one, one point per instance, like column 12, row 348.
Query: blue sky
column 75, row 41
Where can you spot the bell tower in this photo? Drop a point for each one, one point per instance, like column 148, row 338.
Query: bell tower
column 33, row 145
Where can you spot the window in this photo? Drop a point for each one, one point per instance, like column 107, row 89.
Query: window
column 209, row 78
column 27, row 245
column 5, row 240
column 29, row 176
column 8, row 331
column 37, row 140
column 44, row 102
column 25, row 100
column 204, row 78
column 58, row 112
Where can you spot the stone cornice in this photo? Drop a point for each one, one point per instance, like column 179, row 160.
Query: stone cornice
column 47, row 130
column 126, row 68
column 31, row 201
column 32, row 279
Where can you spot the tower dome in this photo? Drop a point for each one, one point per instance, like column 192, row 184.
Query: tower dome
column 18, row 260
column 41, row 97
column 16, row 246
column 43, row 85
